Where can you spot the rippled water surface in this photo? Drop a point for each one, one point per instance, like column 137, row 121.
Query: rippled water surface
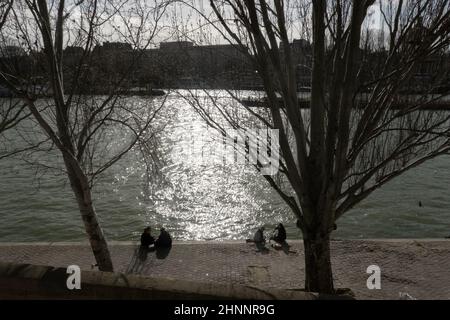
column 199, row 200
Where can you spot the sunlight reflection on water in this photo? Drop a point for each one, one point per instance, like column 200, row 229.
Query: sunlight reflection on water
column 197, row 199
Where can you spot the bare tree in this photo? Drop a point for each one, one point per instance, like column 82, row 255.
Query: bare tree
column 79, row 125
column 12, row 111
column 360, row 131
column 5, row 7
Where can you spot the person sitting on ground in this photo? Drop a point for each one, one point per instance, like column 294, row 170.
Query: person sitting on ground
column 258, row 238
column 146, row 238
column 164, row 240
column 279, row 234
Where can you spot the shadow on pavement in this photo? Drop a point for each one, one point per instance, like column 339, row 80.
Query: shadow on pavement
column 283, row 246
column 162, row 253
column 138, row 260
column 261, row 247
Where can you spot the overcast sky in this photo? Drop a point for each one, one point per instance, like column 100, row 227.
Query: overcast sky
column 178, row 23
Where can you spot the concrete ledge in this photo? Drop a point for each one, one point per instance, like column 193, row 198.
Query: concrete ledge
column 26, row 281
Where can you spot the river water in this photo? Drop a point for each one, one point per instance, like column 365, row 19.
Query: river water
column 195, row 200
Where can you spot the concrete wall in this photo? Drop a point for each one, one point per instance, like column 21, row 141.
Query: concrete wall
column 25, row 281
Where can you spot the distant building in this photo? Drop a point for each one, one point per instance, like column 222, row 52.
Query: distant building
column 183, row 64
column 175, row 45
column 116, row 46
column 111, row 64
column 73, row 51
column 72, row 55
column 12, row 52
column 301, row 55
column 14, row 61
column 430, row 68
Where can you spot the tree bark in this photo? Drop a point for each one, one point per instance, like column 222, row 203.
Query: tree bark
column 318, row 272
column 82, row 191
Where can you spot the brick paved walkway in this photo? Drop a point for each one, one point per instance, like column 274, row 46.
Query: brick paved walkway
column 420, row 268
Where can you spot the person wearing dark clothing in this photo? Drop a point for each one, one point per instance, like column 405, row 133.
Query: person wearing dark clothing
column 164, row 240
column 258, row 237
column 146, row 238
column 279, row 234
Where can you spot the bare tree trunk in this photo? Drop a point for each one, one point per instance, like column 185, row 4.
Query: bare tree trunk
column 75, row 126
column 82, row 191
column 318, row 272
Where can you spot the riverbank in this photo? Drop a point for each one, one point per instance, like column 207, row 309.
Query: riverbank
column 418, row 267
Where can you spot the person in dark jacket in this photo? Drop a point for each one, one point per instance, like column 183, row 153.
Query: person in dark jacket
column 258, row 238
column 279, row 234
column 146, row 238
column 164, row 240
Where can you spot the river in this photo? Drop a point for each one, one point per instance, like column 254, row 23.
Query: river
column 198, row 201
